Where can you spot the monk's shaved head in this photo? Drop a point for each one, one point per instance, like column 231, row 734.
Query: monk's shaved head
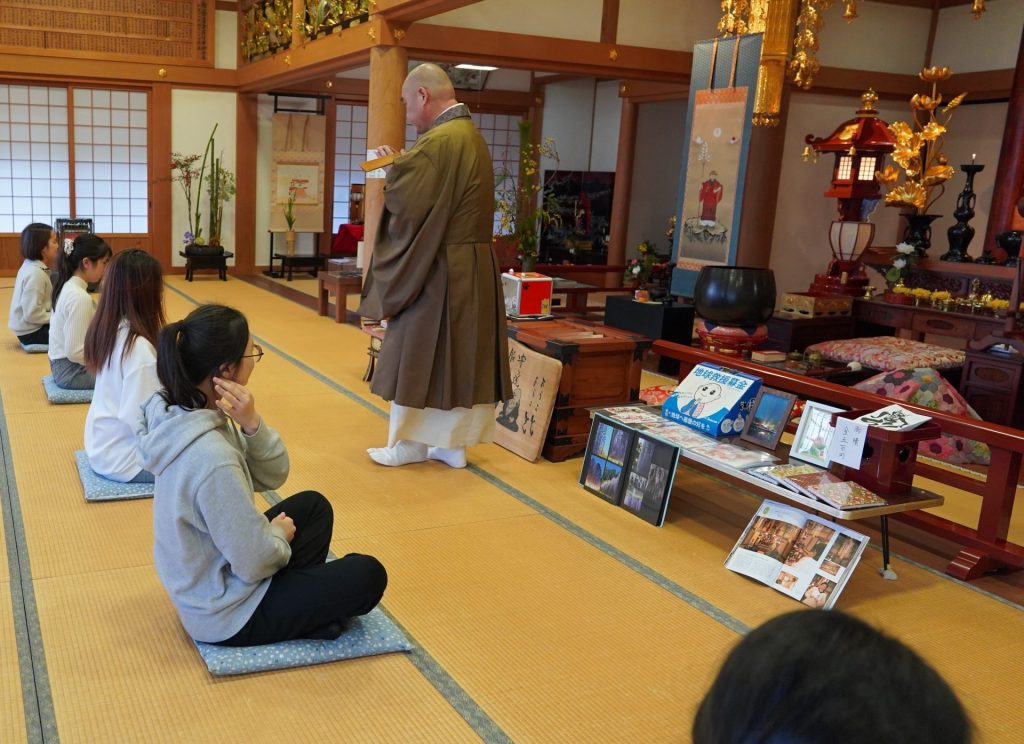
column 426, row 92
column 433, row 78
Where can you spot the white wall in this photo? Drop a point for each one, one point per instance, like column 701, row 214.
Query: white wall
column 583, row 116
column 658, row 158
column 667, row 24
column 564, row 19
column 989, row 43
column 884, row 37
column 193, row 115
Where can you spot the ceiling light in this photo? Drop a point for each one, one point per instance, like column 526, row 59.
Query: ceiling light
column 485, row 68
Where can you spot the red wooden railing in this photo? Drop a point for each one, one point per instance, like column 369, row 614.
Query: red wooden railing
column 985, row 545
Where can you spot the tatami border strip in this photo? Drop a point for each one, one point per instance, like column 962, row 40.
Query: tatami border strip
column 40, row 721
column 481, row 723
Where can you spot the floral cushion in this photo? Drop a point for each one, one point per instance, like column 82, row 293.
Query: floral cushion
column 890, row 352
column 924, row 386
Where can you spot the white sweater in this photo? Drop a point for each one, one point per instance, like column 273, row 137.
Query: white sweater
column 70, row 321
column 30, row 303
column 115, row 413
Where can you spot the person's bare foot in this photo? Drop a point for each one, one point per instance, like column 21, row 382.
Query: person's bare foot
column 404, row 452
column 454, row 457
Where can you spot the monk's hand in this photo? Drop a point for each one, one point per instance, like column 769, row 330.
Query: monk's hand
column 384, row 150
column 238, row 403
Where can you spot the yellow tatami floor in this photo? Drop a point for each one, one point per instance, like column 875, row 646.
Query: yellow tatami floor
column 538, row 612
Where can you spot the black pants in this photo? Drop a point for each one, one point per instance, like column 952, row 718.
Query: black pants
column 42, row 336
column 309, row 598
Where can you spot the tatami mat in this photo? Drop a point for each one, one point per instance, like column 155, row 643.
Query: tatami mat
column 12, row 707
column 542, row 612
column 125, row 671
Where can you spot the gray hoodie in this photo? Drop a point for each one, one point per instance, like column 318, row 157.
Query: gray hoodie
column 214, row 552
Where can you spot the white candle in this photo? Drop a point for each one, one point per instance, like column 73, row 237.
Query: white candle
column 974, row 156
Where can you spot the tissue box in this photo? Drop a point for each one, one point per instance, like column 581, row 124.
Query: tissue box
column 526, row 293
column 713, row 400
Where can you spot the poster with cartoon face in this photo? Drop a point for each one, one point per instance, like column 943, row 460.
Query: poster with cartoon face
column 713, row 400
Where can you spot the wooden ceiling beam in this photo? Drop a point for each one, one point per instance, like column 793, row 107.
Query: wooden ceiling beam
column 641, row 91
column 46, row 67
column 521, row 51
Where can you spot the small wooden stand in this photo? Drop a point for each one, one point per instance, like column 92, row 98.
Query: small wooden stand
column 887, row 464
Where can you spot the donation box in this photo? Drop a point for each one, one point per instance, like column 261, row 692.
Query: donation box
column 526, row 293
column 713, row 400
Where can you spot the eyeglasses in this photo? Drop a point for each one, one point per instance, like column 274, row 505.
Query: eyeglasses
column 257, row 353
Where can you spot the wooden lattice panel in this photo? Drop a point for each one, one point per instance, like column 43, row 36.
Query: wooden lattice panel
column 163, row 29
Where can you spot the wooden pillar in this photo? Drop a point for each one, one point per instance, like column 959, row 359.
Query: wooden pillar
column 623, row 189
column 385, row 125
column 164, row 247
column 244, row 247
column 1010, row 171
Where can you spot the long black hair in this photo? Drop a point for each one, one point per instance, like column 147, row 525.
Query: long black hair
column 70, row 257
column 196, row 348
column 819, row 677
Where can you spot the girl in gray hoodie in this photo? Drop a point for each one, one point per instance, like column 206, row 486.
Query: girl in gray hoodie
column 237, row 577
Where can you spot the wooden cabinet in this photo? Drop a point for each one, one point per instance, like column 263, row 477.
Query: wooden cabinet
column 991, row 384
column 789, row 334
column 921, row 320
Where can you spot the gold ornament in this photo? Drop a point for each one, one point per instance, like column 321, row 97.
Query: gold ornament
column 977, row 8
column 162, row 72
column 850, row 12
column 613, row 54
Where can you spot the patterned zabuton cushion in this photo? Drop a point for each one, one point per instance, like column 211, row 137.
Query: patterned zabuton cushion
column 890, row 352
column 925, row 387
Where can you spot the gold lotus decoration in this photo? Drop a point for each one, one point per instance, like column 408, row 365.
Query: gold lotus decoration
column 919, row 148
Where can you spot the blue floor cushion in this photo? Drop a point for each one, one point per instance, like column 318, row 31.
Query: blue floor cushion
column 35, row 348
column 98, row 488
column 56, row 394
column 368, row 635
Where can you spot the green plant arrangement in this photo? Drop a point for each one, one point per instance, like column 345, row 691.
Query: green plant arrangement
column 902, row 261
column 220, row 183
column 289, row 214
column 519, row 214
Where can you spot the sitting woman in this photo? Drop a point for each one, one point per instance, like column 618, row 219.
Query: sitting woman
column 120, row 349
column 237, row 577
column 79, row 264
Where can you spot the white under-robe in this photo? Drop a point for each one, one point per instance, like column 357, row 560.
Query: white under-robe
column 459, row 427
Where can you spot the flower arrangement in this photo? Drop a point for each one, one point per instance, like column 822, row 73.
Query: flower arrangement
column 920, row 293
column 220, row 184
column 519, row 214
column 639, row 269
column 289, row 214
column 901, row 263
column 919, row 149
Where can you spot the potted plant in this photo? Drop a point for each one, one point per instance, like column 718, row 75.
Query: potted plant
column 289, row 218
column 919, row 154
column 519, row 215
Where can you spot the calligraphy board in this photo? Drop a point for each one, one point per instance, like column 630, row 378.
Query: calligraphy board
column 522, row 422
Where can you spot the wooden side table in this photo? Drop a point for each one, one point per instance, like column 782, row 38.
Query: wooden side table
column 342, row 286
column 671, row 321
column 218, row 261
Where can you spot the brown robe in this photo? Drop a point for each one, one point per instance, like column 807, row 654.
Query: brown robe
column 434, row 275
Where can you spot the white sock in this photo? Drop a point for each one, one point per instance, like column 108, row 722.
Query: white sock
column 454, row 457
column 405, row 452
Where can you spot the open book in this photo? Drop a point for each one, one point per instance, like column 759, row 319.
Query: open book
column 808, row 558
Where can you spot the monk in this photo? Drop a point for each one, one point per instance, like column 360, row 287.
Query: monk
column 434, row 277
